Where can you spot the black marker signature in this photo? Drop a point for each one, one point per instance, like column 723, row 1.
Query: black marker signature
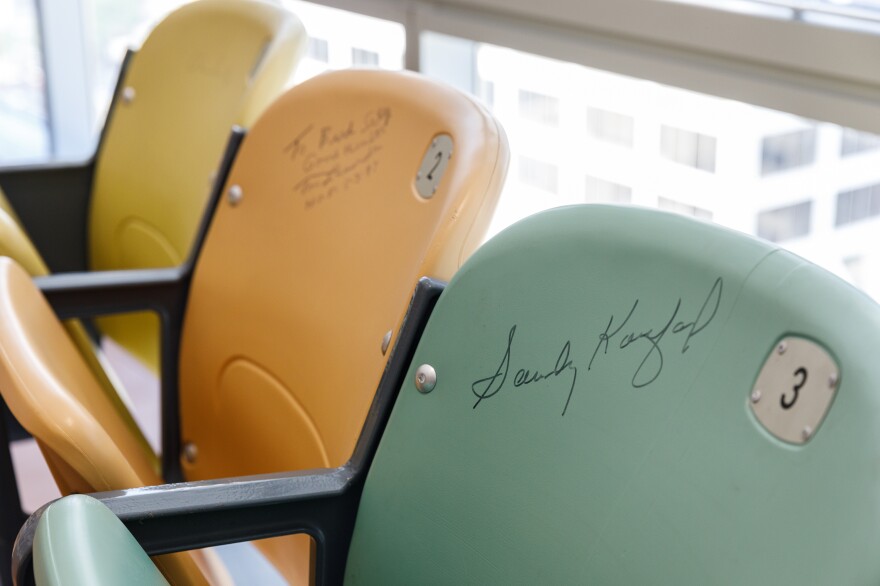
column 324, row 178
column 296, row 147
column 489, row 386
column 652, row 364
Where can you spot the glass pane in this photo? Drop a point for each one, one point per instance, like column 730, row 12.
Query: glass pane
column 340, row 39
column 583, row 135
column 24, row 133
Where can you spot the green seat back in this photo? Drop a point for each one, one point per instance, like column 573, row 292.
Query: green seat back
column 593, row 418
column 79, row 541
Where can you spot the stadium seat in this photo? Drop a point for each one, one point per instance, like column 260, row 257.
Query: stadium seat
column 206, row 67
column 347, row 190
column 71, row 531
column 600, row 396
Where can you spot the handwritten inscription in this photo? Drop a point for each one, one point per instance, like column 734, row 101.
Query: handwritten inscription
column 626, row 335
column 489, row 386
column 332, row 159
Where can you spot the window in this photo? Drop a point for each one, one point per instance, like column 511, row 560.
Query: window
column 364, row 58
column 339, row 39
column 682, row 208
column 539, row 108
column 688, row 148
column 319, row 50
column 857, row 204
column 853, row 142
column 788, row 151
column 610, row 126
column 23, row 119
column 601, row 191
column 785, row 223
column 486, row 92
column 535, row 173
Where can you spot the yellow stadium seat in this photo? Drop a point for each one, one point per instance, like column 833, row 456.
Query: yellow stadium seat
column 86, row 441
column 345, row 192
column 15, row 244
column 206, row 67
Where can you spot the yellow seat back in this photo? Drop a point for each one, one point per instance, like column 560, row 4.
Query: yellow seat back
column 15, row 244
column 50, row 389
column 208, row 66
column 314, row 257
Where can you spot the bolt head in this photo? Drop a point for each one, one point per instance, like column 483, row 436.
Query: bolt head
column 755, row 396
column 128, row 94
column 386, row 341
column 781, row 348
column 832, row 380
column 426, row 378
column 190, row 452
column 234, row 195
column 807, row 432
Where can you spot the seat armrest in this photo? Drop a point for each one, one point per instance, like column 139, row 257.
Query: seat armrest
column 164, row 291
column 98, row 293
column 60, row 236
column 322, row 503
column 192, row 515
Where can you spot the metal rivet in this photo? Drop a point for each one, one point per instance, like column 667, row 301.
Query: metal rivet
column 781, row 348
column 190, row 452
column 234, row 195
column 128, row 95
column 832, row 380
column 807, row 432
column 755, row 396
column 386, row 341
column 426, row 378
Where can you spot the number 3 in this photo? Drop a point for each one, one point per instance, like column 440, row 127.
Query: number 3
column 802, row 372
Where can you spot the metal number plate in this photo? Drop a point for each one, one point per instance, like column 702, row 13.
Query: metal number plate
column 794, row 389
column 433, row 165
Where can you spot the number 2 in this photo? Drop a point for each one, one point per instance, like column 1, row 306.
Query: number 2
column 802, row 373
column 437, row 158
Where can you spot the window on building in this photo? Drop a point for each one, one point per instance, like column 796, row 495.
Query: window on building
column 602, row 191
column 788, row 151
column 688, row 148
column 610, row 126
column 857, row 204
column 684, row 209
column 854, row 141
column 319, row 50
column 540, row 174
column 486, row 92
column 339, row 39
column 785, row 223
column 364, row 58
column 539, row 108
